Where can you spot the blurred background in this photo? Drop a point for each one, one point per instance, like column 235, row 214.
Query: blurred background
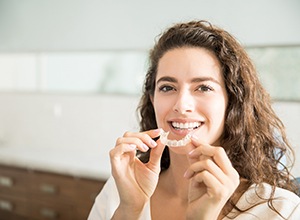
column 71, row 75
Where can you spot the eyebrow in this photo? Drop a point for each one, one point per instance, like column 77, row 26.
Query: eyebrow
column 167, row 79
column 202, row 79
column 194, row 80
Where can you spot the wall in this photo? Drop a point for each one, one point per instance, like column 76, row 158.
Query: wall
column 289, row 113
column 90, row 123
column 65, row 121
column 78, row 121
column 116, row 24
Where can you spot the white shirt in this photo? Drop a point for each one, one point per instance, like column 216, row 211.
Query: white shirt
column 286, row 202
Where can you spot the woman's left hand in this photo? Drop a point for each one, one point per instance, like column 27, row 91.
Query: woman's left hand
column 212, row 180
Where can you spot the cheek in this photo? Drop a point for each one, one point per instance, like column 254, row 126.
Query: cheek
column 219, row 116
column 215, row 112
column 158, row 109
column 161, row 110
column 219, row 112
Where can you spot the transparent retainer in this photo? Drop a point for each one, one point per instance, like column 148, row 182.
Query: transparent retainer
column 174, row 143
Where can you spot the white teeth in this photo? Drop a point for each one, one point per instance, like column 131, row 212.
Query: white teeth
column 173, row 143
column 190, row 125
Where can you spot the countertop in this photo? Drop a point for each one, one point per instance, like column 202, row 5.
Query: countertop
column 82, row 163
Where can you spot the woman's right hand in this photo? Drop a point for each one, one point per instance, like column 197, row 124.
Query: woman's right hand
column 136, row 181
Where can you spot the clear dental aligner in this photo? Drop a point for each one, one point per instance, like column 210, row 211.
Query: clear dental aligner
column 174, row 143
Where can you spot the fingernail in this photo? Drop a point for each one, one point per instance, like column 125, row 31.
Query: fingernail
column 153, row 143
column 185, row 174
column 132, row 146
column 145, row 147
column 188, row 174
column 158, row 130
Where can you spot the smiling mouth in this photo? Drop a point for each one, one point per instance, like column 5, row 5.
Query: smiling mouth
column 179, row 126
column 186, row 126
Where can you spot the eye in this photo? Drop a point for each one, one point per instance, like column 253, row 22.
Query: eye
column 205, row 88
column 166, row 88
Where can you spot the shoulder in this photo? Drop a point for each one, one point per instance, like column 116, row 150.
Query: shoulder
column 254, row 200
column 264, row 190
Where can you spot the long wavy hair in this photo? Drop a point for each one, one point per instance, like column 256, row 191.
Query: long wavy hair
column 254, row 137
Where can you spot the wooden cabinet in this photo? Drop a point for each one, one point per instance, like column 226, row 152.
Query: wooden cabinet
column 30, row 194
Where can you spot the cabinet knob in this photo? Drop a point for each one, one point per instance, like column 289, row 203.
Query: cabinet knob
column 6, row 181
column 6, row 205
column 48, row 213
column 48, row 188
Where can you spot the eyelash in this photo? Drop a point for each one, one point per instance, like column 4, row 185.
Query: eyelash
column 166, row 88
column 207, row 88
column 201, row 88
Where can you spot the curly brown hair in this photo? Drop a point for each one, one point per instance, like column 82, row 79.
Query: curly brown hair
column 252, row 128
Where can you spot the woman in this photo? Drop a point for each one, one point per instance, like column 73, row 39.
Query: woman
column 200, row 87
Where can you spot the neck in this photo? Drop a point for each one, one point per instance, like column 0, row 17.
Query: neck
column 173, row 180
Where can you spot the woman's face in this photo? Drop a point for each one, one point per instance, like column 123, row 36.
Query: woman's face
column 190, row 95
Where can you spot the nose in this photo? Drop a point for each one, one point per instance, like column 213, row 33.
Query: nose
column 185, row 103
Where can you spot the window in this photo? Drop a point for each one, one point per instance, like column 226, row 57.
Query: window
column 123, row 72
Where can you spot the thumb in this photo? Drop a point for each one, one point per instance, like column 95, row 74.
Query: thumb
column 190, row 147
column 155, row 156
column 193, row 152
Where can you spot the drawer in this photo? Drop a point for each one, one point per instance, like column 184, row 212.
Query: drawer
column 14, row 181
column 87, row 190
column 52, row 187
column 39, row 195
column 64, row 188
column 45, row 211
column 13, row 207
column 11, row 216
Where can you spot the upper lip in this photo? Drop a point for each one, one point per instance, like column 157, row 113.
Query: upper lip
column 186, row 120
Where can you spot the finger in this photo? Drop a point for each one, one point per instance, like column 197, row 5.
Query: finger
column 145, row 137
column 214, row 187
column 217, row 153
column 220, row 158
column 151, row 133
column 190, row 147
column 206, row 165
column 133, row 141
column 155, row 156
column 122, row 149
column 122, row 155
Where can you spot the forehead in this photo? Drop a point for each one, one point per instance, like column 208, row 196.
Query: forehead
column 189, row 61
